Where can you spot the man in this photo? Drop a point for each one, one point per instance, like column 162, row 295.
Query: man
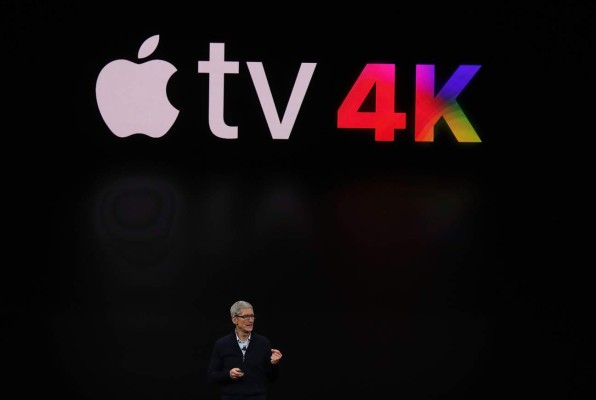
column 242, row 362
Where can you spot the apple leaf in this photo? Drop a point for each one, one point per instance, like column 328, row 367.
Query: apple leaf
column 148, row 46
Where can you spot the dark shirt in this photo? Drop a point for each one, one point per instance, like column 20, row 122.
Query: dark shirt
column 256, row 364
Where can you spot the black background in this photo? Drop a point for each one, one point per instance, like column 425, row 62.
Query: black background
column 419, row 270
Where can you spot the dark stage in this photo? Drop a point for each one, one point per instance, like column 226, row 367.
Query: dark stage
column 437, row 269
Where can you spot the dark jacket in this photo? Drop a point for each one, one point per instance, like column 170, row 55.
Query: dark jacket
column 257, row 367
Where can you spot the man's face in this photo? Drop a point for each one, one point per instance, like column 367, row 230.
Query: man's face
column 245, row 320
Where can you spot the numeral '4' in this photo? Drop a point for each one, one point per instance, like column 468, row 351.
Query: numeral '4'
column 384, row 120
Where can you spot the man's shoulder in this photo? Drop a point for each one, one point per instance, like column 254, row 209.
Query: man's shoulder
column 229, row 337
column 258, row 337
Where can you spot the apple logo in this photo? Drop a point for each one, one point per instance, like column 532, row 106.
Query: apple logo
column 132, row 97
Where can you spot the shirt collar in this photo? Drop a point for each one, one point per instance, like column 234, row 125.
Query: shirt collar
column 245, row 341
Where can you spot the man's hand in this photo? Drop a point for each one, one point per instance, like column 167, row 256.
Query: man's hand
column 275, row 356
column 236, row 373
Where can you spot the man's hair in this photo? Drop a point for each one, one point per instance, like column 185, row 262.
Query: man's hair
column 237, row 306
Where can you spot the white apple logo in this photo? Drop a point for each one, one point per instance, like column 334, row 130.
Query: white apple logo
column 132, row 97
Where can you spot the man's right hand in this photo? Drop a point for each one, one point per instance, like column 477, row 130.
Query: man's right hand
column 236, row 373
